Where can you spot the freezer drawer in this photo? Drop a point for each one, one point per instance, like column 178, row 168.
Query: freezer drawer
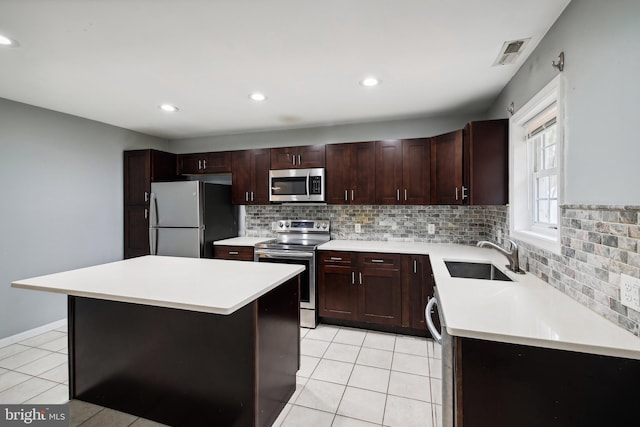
column 184, row 242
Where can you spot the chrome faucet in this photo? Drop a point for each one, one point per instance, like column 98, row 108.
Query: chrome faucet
column 512, row 254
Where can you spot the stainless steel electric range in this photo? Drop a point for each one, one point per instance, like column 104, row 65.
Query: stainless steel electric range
column 296, row 243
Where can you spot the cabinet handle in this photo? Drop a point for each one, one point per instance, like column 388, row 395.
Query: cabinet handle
column 252, row 196
column 199, row 164
column 233, row 252
column 415, row 266
column 146, row 196
column 246, row 196
column 204, row 164
column 360, row 276
column 456, row 193
column 405, row 194
column 293, row 159
column 346, row 197
column 146, row 213
column 398, row 194
column 353, row 277
column 353, row 192
column 299, row 160
column 464, row 190
column 335, row 258
column 377, row 260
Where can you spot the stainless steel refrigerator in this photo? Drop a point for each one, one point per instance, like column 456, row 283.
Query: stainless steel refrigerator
column 187, row 216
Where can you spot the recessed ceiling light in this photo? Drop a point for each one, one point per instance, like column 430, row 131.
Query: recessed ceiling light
column 257, row 96
column 169, row 108
column 6, row 41
column 370, row 81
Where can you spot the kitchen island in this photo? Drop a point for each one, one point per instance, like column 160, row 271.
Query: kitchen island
column 182, row 341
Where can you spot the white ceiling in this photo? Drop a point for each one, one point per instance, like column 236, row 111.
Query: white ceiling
column 115, row 61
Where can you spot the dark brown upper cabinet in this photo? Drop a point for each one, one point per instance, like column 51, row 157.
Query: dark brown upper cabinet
column 250, row 177
column 446, row 169
column 309, row 156
column 486, row 156
column 470, row 166
column 348, row 173
column 141, row 168
column 402, row 172
column 204, row 163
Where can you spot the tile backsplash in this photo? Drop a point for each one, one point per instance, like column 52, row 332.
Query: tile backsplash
column 598, row 242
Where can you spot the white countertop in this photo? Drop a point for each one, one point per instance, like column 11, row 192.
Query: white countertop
column 242, row 241
column 527, row 311
column 207, row 285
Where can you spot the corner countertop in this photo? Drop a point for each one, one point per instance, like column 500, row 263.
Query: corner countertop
column 242, row 241
column 526, row 311
column 197, row 284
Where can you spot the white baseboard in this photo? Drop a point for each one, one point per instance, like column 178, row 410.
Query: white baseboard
column 32, row 332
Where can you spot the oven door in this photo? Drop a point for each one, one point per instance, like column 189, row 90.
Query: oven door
column 307, row 277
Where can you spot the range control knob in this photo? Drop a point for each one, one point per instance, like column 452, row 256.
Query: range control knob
column 287, row 224
column 280, row 224
column 317, row 225
column 324, row 225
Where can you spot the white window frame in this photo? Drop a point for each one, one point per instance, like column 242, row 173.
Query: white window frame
column 521, row 224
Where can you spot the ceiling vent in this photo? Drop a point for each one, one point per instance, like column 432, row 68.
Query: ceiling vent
column 510, row 51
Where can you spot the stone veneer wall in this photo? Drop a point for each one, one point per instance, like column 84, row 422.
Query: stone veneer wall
column 454, row 224
column 598, row 243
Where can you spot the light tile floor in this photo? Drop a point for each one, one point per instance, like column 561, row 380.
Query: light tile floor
column 348, row 378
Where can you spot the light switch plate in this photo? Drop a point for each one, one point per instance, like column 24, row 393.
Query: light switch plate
column 630, row 291
column 431, row 229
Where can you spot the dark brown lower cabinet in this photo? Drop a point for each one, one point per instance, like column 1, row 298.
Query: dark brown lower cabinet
column 361, row 287
column 377, row 289
column 506, row 385
column 238, row 253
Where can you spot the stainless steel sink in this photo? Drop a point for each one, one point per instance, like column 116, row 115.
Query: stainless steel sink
column 476, row 270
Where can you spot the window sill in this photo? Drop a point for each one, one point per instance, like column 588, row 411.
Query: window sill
column 547, row 243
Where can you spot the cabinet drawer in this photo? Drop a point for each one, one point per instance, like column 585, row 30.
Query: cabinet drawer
column 336, row 258
column 380, row 260
column 240, row 253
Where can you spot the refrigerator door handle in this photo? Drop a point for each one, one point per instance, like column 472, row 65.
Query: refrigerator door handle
column 153, row 241
column 153, row 210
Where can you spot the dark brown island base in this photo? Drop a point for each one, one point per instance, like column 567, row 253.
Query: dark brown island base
column 185, row 367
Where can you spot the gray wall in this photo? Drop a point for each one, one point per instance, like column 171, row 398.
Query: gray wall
column 600, row 40
column 410, row 128
column 61, row 203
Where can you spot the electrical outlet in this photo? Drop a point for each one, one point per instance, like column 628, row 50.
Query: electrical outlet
column 358, row 228
column 499, row 235
column 630, row 291
column 431, row 229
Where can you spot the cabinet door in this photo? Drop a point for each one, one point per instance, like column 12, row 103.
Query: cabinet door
column 217, row 162
column 379, row 295
column 137, row 177
column 311, row 156
column 260, row 163
column 190, row 164
column 416, row 166
column 136, row 231
column 163, row 166
column 446, row 169
column 363, row 162
column 417, row 289
column 486, row 147
column 337, row 292
column 388, row 172
column 283, row 158
column 338, row 173
column 240, row 177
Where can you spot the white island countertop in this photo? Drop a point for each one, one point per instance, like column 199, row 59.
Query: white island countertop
column 206, row 285
column 526, row 311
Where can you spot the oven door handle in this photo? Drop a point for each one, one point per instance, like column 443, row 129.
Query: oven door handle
column 284, row 254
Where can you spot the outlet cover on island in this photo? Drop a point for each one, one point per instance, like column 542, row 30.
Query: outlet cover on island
column 630, row 291
column 358, row 228
column 431, row 229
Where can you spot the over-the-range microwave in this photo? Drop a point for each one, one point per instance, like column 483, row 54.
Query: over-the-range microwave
column 297, row 185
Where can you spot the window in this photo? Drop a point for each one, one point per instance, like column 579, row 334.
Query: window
column 536, row 147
